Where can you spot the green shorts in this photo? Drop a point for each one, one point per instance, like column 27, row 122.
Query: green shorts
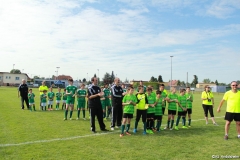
column 81, row 104
column 103, row 105
column 107, row 102
column 70, row 101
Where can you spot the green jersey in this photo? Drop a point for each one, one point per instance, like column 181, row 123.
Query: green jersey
column 159, row 106
column 72, row 90
column 64, row 96
column 106, row 92
column 81, row 95
column 164, row 95
column 172, row 105
column 130, row 107
column 58, row 96
column 31, row 97
column 43, row 98
column 51, row 96
column 183, row 102
column 144, row 89
column 151, row 100
column 189, row 97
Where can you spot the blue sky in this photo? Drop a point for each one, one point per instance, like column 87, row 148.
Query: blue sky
column 133, row 38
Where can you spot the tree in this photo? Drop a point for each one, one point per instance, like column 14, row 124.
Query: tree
column 15, row 71
column 195, row 80
column 216, row 82
column 153, row 79
column 187, row 84
column 222, row 84
column 207, row 80
column 53, row 77
column 95, row 75
column 36, row 77
column 183, row 83
column 126, row 81
column 160, row 78
column 107, row 79
column 112, row 77
column 80, row 80
column 178, row 83
column 84, row 80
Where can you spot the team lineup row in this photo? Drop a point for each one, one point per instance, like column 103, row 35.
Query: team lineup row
column 154, row 105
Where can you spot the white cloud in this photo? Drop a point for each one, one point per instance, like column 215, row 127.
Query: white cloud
column 221, row 8
column 38, row 37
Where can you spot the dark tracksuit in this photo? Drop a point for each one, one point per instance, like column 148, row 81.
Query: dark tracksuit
column 95, row 107
column 23, row 89
column 117, row 110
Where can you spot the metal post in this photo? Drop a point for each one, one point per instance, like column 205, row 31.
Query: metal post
column 171, row 72
column 57, row 72
column 98, row 76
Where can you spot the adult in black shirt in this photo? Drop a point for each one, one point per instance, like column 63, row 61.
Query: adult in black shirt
column 95, row 107
column 117, row 111
column 23, row 92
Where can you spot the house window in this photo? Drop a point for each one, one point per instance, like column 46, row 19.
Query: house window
column 17, row 78
column 6, row 77
column 0, row 77
column 9, row 77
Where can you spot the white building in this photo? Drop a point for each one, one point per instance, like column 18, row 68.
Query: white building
column 12, row 79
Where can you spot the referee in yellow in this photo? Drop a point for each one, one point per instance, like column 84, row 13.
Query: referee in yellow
column 41, row 89
column 233, row 108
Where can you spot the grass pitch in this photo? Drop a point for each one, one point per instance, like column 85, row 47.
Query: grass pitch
column 44, row 135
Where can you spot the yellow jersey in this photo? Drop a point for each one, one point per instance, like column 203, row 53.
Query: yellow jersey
column 42, row 88
column 208, row 95
column 233, row 101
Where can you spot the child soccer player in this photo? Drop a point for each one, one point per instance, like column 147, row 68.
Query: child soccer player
column 164, row 96
column 70, row 92
column 128, row 102
column 44, row 100
column 182, row 102
column 58, row 98
column 189, row 104
column 172, row 100
column 158, row 110
column 81, row 95
column 151, row 97
column 51, row 95
column 107, row 96
column 102, row 99
column 141, row 109
column 31, row 100
column 64, row 99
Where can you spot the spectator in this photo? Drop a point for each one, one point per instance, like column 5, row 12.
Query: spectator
column 233, row 108
column 23, row 93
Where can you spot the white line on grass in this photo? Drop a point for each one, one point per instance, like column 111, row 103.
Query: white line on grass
column 56, row 139
column 69, row 138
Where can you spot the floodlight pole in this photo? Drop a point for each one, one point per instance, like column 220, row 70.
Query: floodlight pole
column 98, row 76
column 171, row 72
column 57, row 72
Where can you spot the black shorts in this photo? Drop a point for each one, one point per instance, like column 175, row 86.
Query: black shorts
column 232, row 116
column 150, row 115
column 183, row 113
column 189, row 111
column 172, row 112
column 127, row 115
column 141, row 113
column 158, row 117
